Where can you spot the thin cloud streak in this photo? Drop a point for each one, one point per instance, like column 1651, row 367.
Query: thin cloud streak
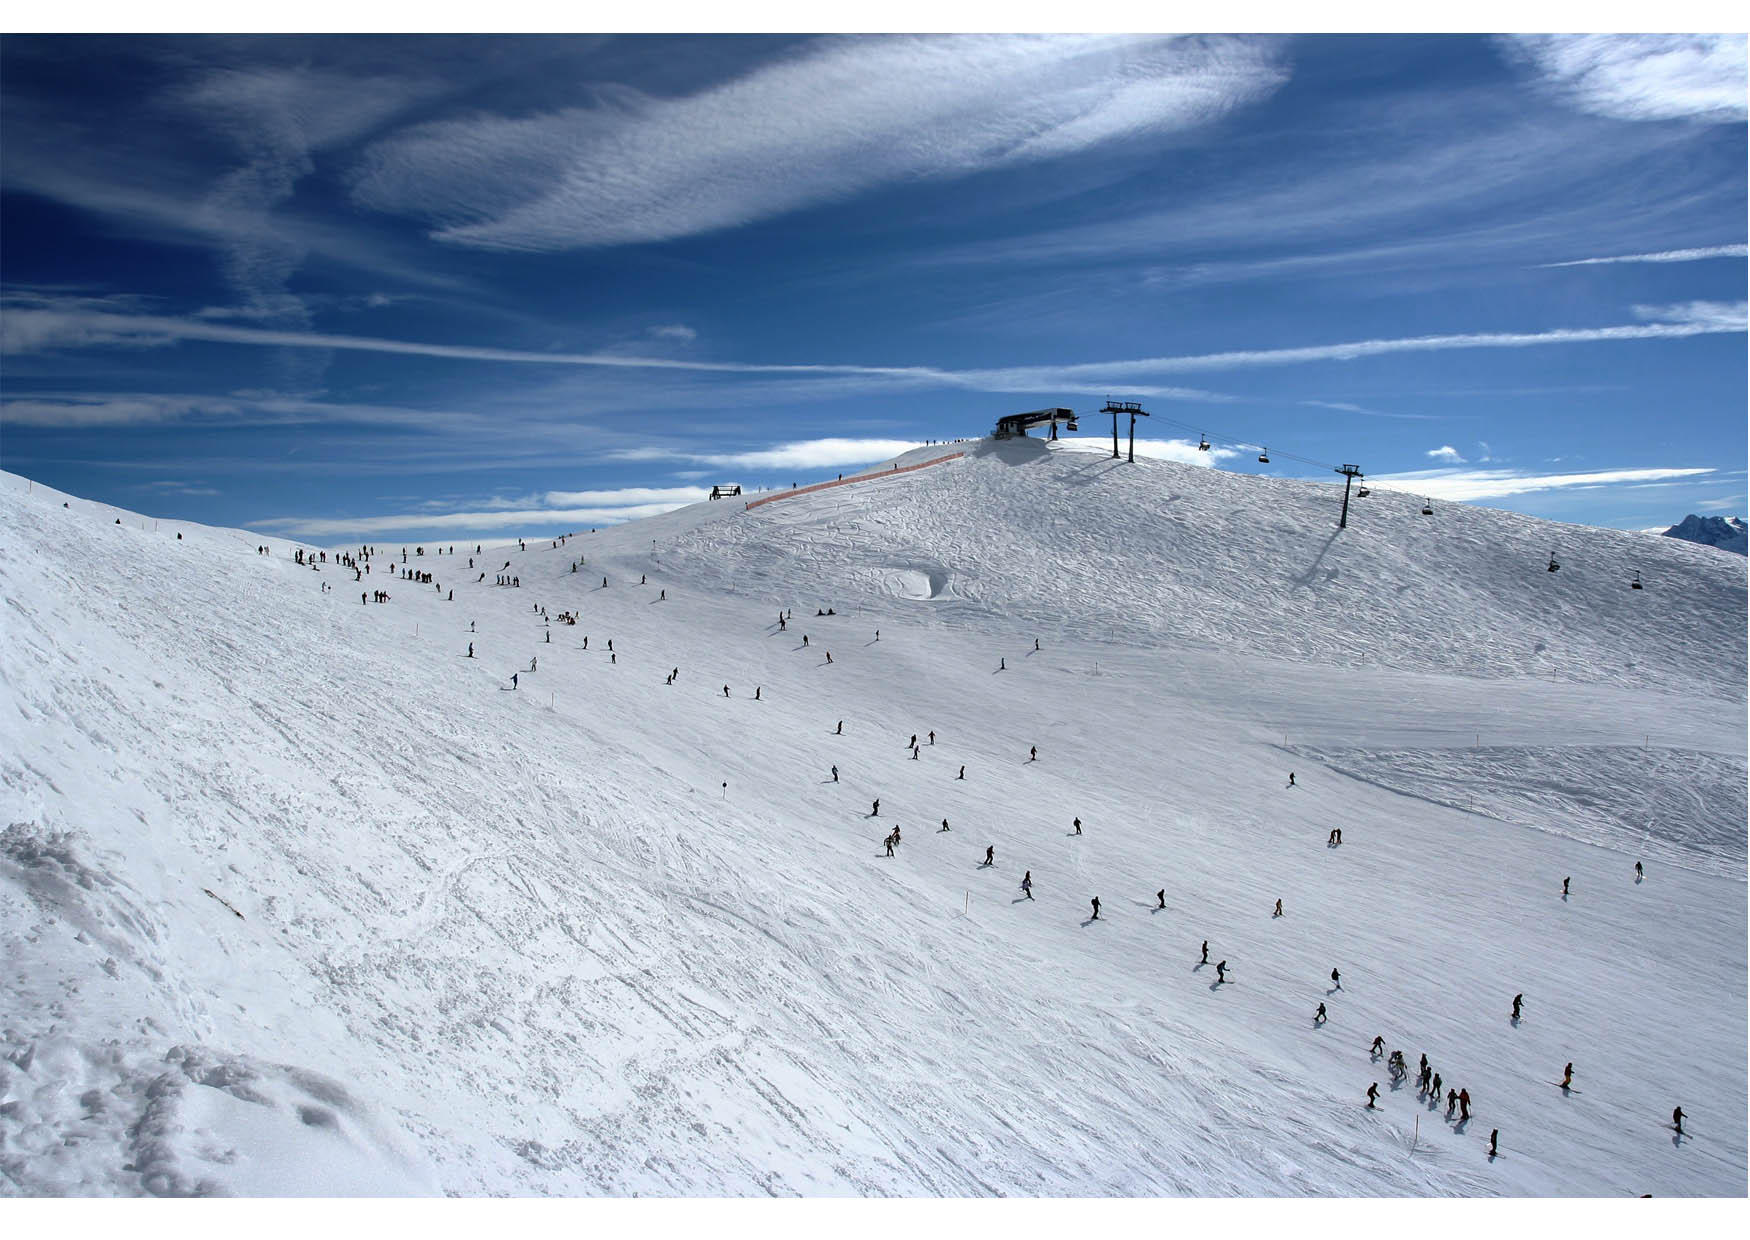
column 1661, row 256
column 29, row 330
column 1473, row 484
column 524, row 518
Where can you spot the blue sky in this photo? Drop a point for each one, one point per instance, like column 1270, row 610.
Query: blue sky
column 351, row 288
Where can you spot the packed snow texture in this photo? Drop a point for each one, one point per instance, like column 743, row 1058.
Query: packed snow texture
column 296, row 897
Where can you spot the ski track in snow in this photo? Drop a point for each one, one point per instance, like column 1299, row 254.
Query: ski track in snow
column 492, row 945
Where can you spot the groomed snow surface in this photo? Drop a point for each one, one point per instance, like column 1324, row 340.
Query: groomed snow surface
column 296, row 898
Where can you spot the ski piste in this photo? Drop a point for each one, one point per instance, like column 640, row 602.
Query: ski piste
column 454, row 897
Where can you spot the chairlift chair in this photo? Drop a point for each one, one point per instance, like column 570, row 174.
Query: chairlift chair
column 1264, row 457
column 1202, row 442
column 1552, row 562
column 1636, row 583
column 1427, row 507
column 1362, row 492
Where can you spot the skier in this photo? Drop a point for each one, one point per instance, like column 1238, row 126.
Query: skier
column 1677, row 1119
column 1036, row 643
column 1220, row 972
column 662, row 596
column 513, row 676
column 1320, row 1018
column 1637, row 871
column 990, row 855
column 835, row 774
column 805, row 639
column 1434, row 1089
column 1568, row 1075
column 534, row 661
column 913, row 742
column 944, row 824
column 1002, row 665
column 914, row 753
column 962, row 774
column 1336, row 979
column 1378, row 1044
column 1565, row 883
column 756, row 693
column 1464, row 1104
column 725, row 690
column 1451, row 1101
column 1205, row 959
column 1517, row 1000
column 1291, row 779
column 1161, row 898
column 1494, row 1136
column 840, row 730
column 1078, row 826
column 1372, row 1094
column 1027, row 884
column 932, row 738
column 1096, row 916
column 470, row 650
column 889, row 842
column 1278, row 911
column 829, row 656
column 1033, row 753
column 875, row 808
column 877, row 634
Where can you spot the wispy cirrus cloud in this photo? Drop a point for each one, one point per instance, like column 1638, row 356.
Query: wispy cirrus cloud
column 840, row 117
column 1475, row 484
column 1446, row 452
column 26, row 329
column 89, row 409
column 1640, row 77
column 1661, row 256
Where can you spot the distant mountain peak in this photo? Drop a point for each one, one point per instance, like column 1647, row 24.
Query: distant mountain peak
column 1726, row 533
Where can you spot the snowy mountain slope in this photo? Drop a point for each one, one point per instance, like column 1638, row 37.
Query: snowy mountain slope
column 528, row 941
column 1155, row 553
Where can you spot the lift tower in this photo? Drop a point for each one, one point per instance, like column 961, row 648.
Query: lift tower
column 1350, row 473
column 1116, row 407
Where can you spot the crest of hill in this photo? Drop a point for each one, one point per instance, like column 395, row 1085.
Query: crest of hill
column 1024, row 537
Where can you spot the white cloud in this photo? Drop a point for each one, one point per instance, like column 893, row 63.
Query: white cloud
column 1184, row 451
column 627, row 495
column 1713, row 315
column 1446, row 452
column 840, row 117
column 496, row 519
column 674, row 331
column 1663, row 256
column 1641, row 77
column 1475, row 484
column 1343, row 406
column 809, row 454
